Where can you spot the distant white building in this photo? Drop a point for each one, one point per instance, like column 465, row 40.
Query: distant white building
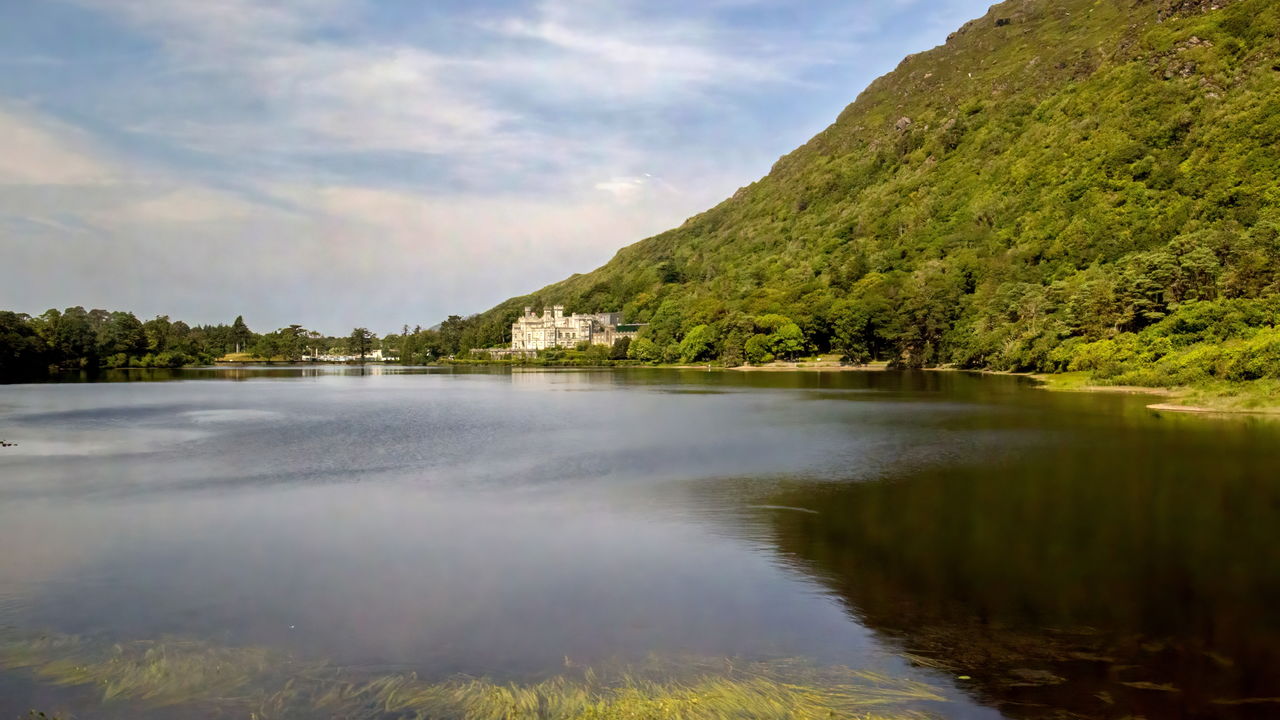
column 554, row 329
column 372, row 356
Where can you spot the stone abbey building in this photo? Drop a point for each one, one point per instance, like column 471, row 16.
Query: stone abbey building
column 554, row 329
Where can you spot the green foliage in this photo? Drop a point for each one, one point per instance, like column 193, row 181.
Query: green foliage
column 758, row 349
column 644, row 350
column 620, row 349
column 89, row 340
column 361, row 342
column 1197, row 343
column 697, row 344
column 787, row 341
column 1067, row 182
column 23, row 353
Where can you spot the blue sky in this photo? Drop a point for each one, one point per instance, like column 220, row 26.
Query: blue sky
column 380, row 162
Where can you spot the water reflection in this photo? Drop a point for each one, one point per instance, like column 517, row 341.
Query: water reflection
column 1121, row 576
column 240, row 372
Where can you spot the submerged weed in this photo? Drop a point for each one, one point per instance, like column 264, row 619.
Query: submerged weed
column 265, row 685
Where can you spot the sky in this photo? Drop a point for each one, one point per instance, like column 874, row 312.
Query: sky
column 341, row 163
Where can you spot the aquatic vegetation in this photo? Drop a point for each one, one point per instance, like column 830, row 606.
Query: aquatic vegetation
column 267, row 685
column 163, row 673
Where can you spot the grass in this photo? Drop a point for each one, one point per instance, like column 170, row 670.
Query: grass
column 1083, row 381
column 1256, row 397
column 267, row 685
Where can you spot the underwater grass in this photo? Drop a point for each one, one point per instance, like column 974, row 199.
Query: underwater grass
column 266, row 685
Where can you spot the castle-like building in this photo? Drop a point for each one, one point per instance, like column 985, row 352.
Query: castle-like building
column 554, row 329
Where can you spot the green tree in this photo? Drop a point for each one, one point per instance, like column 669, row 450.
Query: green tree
column 75, row 341
column 361, row 342
column 620, row 348
column 122, row 335
column 757, row 349
column 644, row 350
column 787, row 341
column 240, row 334
column 23, row 354
column 450, row 334
column 157, row 332
column 698, row 344
column 293, row 341
column 268, row 346
column 596, row 355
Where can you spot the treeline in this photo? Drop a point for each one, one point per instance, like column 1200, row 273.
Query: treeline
column 76, row 339
column 450, row 339
column 79, row 339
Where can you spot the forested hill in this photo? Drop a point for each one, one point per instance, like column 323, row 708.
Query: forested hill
column 1089, row 184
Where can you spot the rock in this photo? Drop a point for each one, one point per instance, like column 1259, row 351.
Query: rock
column 1173, row 9
column 903, row 123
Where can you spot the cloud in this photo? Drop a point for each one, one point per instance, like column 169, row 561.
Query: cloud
column 180, row 205
column 42, row 151
column 626, row 58
column 640, row 187
column 515, row 89
column 352, row 162
column 193, row 28
column 50, row 169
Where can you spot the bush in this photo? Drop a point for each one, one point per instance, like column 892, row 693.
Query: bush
column 757, row 350
column 644, row 350
column 697, row 345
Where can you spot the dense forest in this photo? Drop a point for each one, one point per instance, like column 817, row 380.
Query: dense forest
column 92, row 339
column 1064, row 185
column 76, row 339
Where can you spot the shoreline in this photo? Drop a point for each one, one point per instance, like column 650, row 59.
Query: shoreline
column 1259, row 398
column 1184, row 400
column 1220, row 401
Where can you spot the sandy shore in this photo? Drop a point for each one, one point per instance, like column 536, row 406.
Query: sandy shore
column 1174, row 407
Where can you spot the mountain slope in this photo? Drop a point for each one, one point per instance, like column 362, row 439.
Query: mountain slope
column 1065, row 184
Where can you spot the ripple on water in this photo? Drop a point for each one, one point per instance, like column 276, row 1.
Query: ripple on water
column 235, row 415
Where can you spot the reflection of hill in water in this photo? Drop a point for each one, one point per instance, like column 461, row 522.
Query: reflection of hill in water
column 1142, row 583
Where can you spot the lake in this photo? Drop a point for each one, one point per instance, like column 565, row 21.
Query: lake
column 177, row 543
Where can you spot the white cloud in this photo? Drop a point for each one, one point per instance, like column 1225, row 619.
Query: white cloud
column 41, row 151
column 315, row 94
column 635, row 188
column 516, row 151
column 621, row 57
column 179, row 205
column 374, row 99
column 193, row 28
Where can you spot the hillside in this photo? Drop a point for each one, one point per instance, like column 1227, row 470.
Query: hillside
column 1064, row 185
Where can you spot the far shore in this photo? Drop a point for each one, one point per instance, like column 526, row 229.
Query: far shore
column 1224, row 399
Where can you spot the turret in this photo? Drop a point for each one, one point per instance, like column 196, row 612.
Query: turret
column 558, row 311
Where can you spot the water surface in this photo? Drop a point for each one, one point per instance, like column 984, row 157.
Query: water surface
column 1030, row 554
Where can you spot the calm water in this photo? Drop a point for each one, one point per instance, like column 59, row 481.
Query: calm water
column 1069, row 555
